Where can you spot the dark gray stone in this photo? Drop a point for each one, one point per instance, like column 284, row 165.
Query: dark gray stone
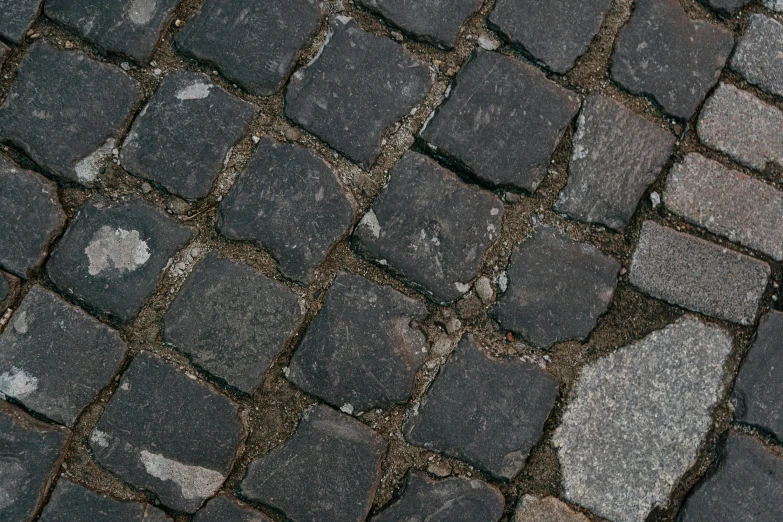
column 227, row 509
column 745, row 484
column 664, row 54
column 291, row 203
column 553, row 33
column 18, row 15
column 557, row 289
column 429, row 228
column 231, row 320
column 30, row 218
column 488, row 412
column 166, row 432
column 66, row 110
column 616, row 155
column 359, row 85
column 327, row 471
column 113, row 253
column 256, row 44
column 54, row 358
column 757, row 56
column 181, row 138
column 362, row 350
column 502, row 121
column 725, row 8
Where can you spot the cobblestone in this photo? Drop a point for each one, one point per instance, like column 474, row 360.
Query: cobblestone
column 226, row 509
column 18, row 15
column 773, row 5
column 549, row 509
column 757, row 57
column 726, row 8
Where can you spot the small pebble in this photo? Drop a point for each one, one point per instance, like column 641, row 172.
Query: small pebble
column 146, row 188
column 439, row 469
column 256, row 139
column 484, row 289
column 68, row 44
column 291, row 134
column 488, row 43
column 655, row 199
column 453, row 325
column 125, row 66
column 442, row 347
column 178, row 206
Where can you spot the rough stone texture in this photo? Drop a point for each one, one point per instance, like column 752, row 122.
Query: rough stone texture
column 113, row 253
column 552, row 33
column 359, row 85
column 291, row 203
column 227, row 509
column 231, row 320
column 616, row 155
column 224, row 33
column 362, row 350
column 664, row 54
column 707, row 194
column 698, row 275
column 327, row 471
column 745, row 484
column 182, row 137
column 774, row 5
column 489, row 422
column 4, row 50
column 9, row 289
column 54, row 358
column 152, row 436
column 725, row 8
column 5, row 289
column 549, row 509
column 637, row 418
column 557, row 289
column 30, row 218
column 501, row 122
column 30, row 456
column 128, row 27
column 429, row 228
column 65, row 111
column 452, row 500
column 18, row 15
column 757, row 56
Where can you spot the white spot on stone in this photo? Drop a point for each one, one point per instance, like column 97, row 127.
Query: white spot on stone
column 347, row 408
column 655, row 199
column 461, row 287
column 140, row 12
column 116, row 249
column 17, row 383
column 319, row 196
column 370, row 220
column 343, row 19
column 99, row 438
column 494, row 212
column 87, row 168
column 20, row 323
column 196, row 91
column 194, row 482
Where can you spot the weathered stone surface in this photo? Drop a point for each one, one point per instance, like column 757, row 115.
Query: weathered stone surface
column 616, row 155
column 362, row 350
column 553, row 33
column 5, row 289
column 128, row 27
column 745, row 484
column 454, row 500
column 181, row 138
column 227, row 509
column 502, row 121
column 359, row 85
column 774, row 5
column 65, row 111
column 54, row 358
column 112, row 254
column 30, row 218
column 549, row 509
column 256, row 44
column 490, row 422
column 664, row 54
column 231, row 320
column 18, row 15
column 429, row 228
column 557, row 289
column 707, row 194
column 757, row 56
column 152, row 436
column 291, row 203
column 698, row 275
column 637, row 418
column 327, row 471
column 30, row 456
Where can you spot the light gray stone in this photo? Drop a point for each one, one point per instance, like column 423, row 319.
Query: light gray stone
column 549, row 509
column 759, row 54
column 774, row 5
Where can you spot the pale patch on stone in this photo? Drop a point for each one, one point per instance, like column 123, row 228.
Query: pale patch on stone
column 347, row 408
column 370, row 220
column 87, row 168
column 194, row 482
column 196, row 91
column 461, row 287
column 140, row 12
column 99, row 438
column 20, row 323
column 17, row 383
column 117, row 249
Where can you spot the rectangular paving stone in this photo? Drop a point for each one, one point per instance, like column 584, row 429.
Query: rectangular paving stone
column 18, row 15
column 758, row 55
column 224, row 508
column 698, row 275
column 727, row 203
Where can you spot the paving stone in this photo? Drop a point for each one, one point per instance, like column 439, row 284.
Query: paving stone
column 224, row 33
column 757, row 57
column 227, row 509
column 549, row 509
column 554, row 34
column 113, row 253
column 663, row 54
column 451, row 500
column 744, row 485
column 616, row 155
column 231, row 320
column 54, row 358
column 725, row 8
column 698, row 275
column 706, row 193
column 327, row 471
column 429, row 228
column 30, row 456
column 181, row 138
column 774, row 5
column 502, row 121
column 638, row 417
column 557, row 289
column 490, row 423
column 65, row 111
column 18, row 15
column 359, row 85
column 362, row 350
column 128, row 27
column 151, row 435
column 30, row 218
column 291, row 203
